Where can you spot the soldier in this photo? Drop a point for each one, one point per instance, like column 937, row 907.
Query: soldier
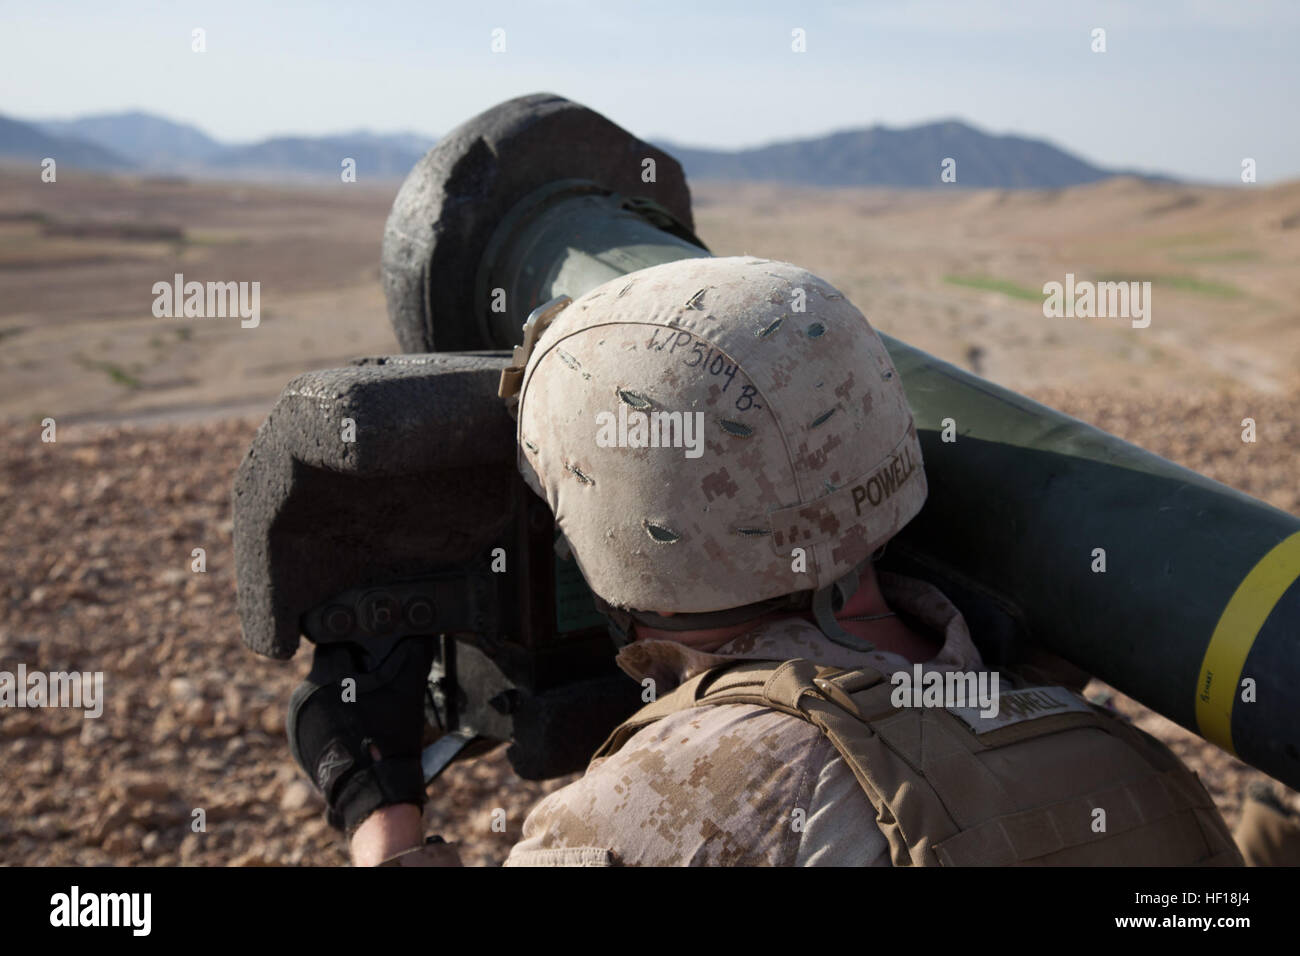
column 725, row 444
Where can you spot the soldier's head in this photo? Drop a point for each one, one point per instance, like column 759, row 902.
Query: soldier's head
column 718, row 435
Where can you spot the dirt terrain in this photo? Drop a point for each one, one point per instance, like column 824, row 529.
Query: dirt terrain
column 98, row 528
column 957, row 273
column 78, row 261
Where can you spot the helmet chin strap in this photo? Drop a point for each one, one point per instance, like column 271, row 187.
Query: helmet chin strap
column 622, row 619
column 826, row 601
column 823, row 603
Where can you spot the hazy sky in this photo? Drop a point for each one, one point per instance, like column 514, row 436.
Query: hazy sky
column 1184, row 87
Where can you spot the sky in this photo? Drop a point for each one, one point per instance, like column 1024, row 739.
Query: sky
column 1189, row 88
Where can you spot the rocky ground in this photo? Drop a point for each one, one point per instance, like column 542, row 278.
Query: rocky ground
column 98, row 532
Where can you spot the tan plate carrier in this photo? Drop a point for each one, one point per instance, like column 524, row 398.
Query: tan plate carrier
column 949, row 795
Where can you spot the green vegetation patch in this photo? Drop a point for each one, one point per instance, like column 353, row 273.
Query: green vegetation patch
column 1004, row 286
column 112, row 370
column 1183, row 283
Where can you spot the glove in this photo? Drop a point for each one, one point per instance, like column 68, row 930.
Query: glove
column 362, row 749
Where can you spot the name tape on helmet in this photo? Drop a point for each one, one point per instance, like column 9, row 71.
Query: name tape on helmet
column 850, row 505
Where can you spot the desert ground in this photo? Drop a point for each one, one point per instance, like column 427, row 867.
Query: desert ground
column 154, row 414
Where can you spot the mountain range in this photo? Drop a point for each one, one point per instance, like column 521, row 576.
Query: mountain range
column 26, row 141
column 145, row 143
column 909, row 157
column 876, row 156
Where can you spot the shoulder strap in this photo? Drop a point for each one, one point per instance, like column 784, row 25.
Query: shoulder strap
column 937, row 801
column 840, row 703
column 743, row 674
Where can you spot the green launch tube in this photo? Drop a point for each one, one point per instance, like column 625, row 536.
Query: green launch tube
column 1177, row 590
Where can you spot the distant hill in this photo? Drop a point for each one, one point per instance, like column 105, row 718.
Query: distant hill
column 149, row 141
column 384, row 157
column 412, row 142
column 878, row 156
column 23, row 141
column 883, row 156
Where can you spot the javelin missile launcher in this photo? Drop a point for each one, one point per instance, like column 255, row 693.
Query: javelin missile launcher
column 421, row 526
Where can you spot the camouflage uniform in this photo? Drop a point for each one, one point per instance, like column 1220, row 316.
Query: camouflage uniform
column 720, row 785
column 808, row 443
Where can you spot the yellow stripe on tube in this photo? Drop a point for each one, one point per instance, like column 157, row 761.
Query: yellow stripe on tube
column 1234, row 635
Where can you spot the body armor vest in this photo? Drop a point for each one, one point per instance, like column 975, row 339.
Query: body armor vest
column 1050, row 780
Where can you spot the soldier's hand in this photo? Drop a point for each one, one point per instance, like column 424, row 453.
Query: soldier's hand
column 357, row 734
column 427, row 854
column 391, row 837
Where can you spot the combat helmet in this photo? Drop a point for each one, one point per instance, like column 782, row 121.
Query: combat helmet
column 717, row 437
